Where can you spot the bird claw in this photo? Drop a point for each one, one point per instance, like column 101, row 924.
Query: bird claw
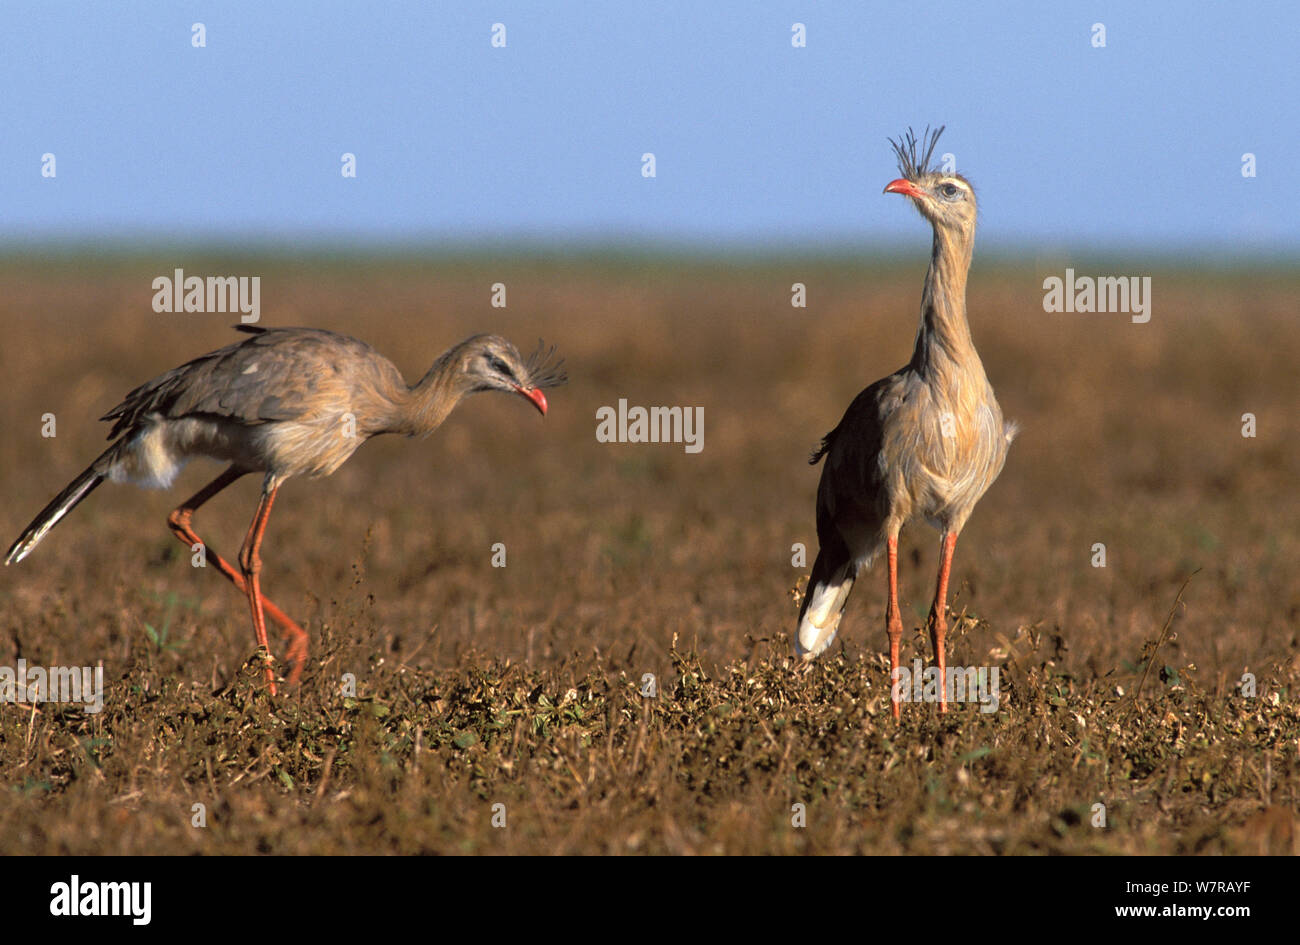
column 262, row 656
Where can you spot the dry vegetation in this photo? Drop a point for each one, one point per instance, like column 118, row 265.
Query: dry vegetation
column 519, row 686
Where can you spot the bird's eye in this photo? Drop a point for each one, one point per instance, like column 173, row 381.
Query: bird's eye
column 949, row 190
column 499, row 366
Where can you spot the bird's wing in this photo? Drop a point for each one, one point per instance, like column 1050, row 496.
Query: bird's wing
column 277, row 374
column 850, row 496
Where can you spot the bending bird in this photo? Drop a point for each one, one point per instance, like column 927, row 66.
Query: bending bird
column 285, row 402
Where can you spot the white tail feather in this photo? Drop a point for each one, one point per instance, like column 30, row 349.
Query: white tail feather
column 821, row 617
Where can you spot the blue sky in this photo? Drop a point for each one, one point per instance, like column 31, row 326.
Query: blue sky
column 1137, row 145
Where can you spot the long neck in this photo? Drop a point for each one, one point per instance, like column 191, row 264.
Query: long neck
column 943, row 340
column 424, row 406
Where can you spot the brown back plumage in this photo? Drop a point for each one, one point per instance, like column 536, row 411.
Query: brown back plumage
column 274, row 375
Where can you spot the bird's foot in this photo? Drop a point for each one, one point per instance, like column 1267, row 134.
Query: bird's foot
column 264, row 657
column 296, row 657
column 938, row 630
column 894, row 629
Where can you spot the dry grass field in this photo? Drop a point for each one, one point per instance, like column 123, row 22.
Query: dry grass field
column 519, row 686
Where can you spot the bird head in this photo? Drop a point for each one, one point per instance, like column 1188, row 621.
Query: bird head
column 946, row 200
column 489, row 362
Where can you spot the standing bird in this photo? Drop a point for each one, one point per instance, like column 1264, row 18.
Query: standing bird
column 285, row 402
column 927, row 440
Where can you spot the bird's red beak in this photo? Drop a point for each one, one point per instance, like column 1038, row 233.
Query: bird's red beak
column 536, row 396
column 905, row 187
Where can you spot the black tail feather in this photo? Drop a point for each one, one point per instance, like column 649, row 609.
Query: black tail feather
column 59, row 506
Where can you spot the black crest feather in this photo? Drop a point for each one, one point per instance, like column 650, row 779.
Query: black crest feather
column 914, row 161
column 543, row 370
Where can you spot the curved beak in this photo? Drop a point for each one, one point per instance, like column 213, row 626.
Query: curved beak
column 536, row 396
column 905, row 187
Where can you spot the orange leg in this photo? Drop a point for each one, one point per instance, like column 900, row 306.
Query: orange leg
column 179, row 522
column 893, row 621
column 939, row 616
column 250, row 562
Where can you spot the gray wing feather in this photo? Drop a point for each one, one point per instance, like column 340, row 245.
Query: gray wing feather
column 269, row 376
